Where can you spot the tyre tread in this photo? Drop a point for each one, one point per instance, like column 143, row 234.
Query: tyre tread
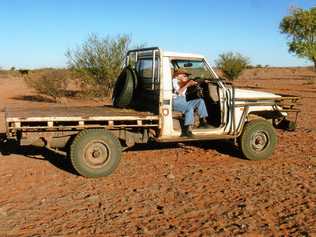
column 246, row 133
column 76, row 142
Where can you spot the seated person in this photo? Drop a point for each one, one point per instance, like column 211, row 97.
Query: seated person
column 180, row 84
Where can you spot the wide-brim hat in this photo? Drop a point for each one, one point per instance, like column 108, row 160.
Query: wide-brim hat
column 179, row 71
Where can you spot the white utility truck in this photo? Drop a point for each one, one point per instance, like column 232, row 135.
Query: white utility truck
column 94, row 137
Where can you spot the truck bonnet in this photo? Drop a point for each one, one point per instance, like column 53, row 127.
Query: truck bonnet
column 251, row 94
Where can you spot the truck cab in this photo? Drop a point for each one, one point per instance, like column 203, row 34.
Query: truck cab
column 229, row 108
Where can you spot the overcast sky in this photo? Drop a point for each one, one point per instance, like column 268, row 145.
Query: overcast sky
column 37, row 33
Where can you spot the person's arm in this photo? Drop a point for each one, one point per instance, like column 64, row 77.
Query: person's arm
column 175, row 85
column 182, row 90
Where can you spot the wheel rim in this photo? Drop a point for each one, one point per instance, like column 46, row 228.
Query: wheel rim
column 96, row 154
column 259, row 141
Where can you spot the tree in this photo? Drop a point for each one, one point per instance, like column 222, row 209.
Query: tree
column 99, row 61
column 232, row 64
column 300, row 28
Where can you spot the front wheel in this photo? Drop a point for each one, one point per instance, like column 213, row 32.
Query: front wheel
column 95, row 153
column 258, row 140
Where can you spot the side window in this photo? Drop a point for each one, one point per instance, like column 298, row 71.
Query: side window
column 145, row 68
column 145, row 73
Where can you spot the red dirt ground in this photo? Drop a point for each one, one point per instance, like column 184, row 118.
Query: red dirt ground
column 196, row 189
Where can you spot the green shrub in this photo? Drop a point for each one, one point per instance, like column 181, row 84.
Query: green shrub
column 98, row 62
column 232, row 64
column 51, row 83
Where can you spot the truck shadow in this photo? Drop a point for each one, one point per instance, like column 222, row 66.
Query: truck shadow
column 224, row 147
column 37, row 153
column 34, row 98
column 46, row 99
column 63, row 162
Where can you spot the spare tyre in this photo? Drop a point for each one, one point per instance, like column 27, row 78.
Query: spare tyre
column 125, row 87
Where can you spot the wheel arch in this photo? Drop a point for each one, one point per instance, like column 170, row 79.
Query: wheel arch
column 253, row 114
column 264, row 114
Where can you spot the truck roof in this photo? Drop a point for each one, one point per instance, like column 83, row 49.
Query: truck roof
column 182, row 55
column 148, row 51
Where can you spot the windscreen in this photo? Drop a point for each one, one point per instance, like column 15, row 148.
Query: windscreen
column 198, row 69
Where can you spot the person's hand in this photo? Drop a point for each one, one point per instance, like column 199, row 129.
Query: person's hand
column 191, row 83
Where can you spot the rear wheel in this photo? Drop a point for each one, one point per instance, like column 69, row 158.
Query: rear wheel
column 95, row 153
column 258, row 140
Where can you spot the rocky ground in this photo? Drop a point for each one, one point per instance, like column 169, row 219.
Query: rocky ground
column 195, row 189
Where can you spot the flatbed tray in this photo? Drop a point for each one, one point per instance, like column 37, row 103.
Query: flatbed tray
column 78, row 118
column 75, row 113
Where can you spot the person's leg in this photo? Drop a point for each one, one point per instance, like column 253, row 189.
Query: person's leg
column 188, row 121
column 181, row 105
column 199, row 104
column 189, row 116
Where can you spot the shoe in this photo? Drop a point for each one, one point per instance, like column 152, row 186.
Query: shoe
column 203, row 124
column 186, row 132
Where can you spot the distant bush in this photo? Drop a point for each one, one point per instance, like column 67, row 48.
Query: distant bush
column 98, row 62
column 258, row 66
column 232, row 64
column 51, row 83
column 12, row 69
column 24, row 71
